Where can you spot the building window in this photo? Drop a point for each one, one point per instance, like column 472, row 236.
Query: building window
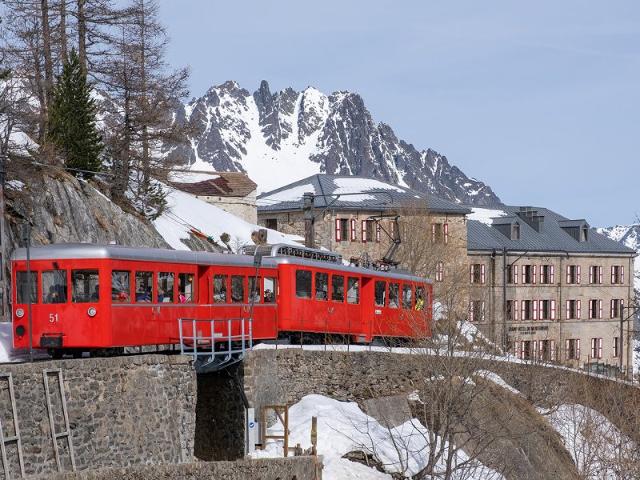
column 529, row 309
column 476, row 311
column 512, row 274
column 369, row 231
column 440, row 233
column 547, row 274
column 596, row 348
column 526, row 350
column 572, row 348
column 512, row 310
column 546, row 350
column 271, row 223
column 515, row 231
column 574, row 309
column 616, row 307
column 547, row 309
column 439, row 271
column 616, row 349
column 342, row 229
column 573, row 274
column 595, row 309
column 477, row 273
column 595, row 275
column 528, row 274
column 617, row 274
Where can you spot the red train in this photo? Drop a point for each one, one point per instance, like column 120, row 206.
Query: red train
column 95, row 297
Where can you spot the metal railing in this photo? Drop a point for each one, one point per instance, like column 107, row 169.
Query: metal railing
column 216, row 343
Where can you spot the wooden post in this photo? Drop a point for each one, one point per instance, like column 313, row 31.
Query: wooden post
column 314, row 436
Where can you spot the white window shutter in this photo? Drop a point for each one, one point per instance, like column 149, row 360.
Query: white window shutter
column 600, row 274
column 535, row 309
column 611, row 315
column 613, row 274
column 363, row 233
column 514, row 269
column 353, row 229
column 599, row 347
column 471, row 311
column 568, row 273
column 621, row 273
column 378, row 228
column 566, row 349
column 579, row 309
column 446, row 233
column 568, row 310
column 577, row 349
column 482, row 273
column 483, row 310
column 338, row 231
column 599, row 308
column 552, row 355
column 433, row 233
column 553, row 309
column 579, row 274
column 471, row 269
column 533, row 276
column 553, row 274
column 515, row 309
column 591, row 274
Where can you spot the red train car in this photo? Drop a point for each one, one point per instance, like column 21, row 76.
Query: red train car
column 87, row 297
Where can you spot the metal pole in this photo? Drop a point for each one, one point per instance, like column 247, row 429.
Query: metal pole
column 621, row 334
column 3, row 242
column 27, row 238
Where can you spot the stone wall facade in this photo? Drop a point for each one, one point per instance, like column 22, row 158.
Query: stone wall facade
column 121, row 411
column 243, row 207
column 296, row 468
column 560, row 328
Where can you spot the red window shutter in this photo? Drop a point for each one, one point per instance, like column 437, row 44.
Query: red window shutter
column 378, row 231
column 515, row 309
column 599, row 308
column 552, row 275
column 621, row 273
column 579, row 274
column 482, row 274
column 353, row 229
column 579, row 309
column 553, row 309
column 591, row 272
column 338, row 231
column 363, row 234
column 535, row 309
column 600, row 274
column 446, row 233
column 577, row 349
column 533, row 275
column 568, row 273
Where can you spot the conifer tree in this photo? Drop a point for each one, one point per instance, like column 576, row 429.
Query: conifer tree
column 72, row 120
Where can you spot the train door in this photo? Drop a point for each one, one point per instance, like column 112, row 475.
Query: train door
column 353, row 310
column 368, row 311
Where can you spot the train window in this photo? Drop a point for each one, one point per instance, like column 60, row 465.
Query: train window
column 380, row 293
column 337, row 288
column 406, row 296
column 166, row 282
column 186, row 292
column 85, row 285
column 219, row 289
column 322, row 286
column 269, row 290
column 419, row 298
column 303, row 283
column 54, row 286
column 254, row 290
column 26, row 283
column 237, row 289
column 144, row 287
column 394, row 291
column 353, row 290
column 120, row 286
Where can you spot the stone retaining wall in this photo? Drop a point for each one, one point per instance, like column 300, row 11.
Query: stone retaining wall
column 122, row 411
column 296, row 468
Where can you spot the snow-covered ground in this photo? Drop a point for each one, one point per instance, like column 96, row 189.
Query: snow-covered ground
column 343, row 427
column 591, row 439
column 185, row 212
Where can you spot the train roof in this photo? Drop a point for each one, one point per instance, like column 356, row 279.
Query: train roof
column 69, row 251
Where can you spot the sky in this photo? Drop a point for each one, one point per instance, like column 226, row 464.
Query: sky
column 540, row 100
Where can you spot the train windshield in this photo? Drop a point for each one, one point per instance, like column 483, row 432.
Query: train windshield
column 26, row 284
column 54, row 286
column 85, row 286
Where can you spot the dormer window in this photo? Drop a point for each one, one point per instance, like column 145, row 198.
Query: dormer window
column 578, row 229
column 583, row 234
column 515, row 231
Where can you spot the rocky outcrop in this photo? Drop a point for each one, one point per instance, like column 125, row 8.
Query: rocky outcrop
column 61, row 208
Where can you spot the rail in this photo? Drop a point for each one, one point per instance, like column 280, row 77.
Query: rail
column 215, row 344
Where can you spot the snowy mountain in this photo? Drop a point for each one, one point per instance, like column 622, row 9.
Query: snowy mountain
column 628, row 235
column 280, row 137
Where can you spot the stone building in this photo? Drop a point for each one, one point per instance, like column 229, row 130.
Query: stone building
column 549, row 288
column 355, row 217
column 233, row 192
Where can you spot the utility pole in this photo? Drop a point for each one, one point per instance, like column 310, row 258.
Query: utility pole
column 30, row 286
column 3, row 242
column 309, row 220
column 621, row 341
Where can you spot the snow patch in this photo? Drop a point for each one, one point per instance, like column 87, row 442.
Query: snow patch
column 484, row 215
column 289, row 195
column 15, row 185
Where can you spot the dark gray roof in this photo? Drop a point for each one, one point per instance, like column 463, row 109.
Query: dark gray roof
column 373, row 195
column 551, row 238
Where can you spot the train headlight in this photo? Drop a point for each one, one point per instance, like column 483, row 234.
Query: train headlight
column 91, row 311
column 19, row 312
